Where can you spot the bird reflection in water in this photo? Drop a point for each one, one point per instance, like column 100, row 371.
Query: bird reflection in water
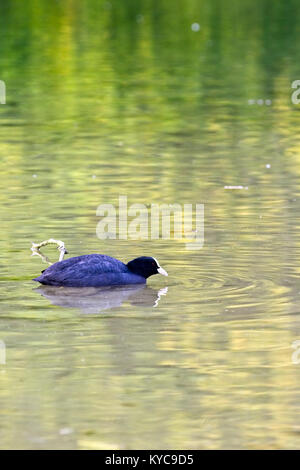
column 92, row 300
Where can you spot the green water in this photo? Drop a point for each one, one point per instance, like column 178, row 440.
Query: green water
column 124, row 98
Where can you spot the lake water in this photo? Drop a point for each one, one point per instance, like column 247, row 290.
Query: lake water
column 128, row 98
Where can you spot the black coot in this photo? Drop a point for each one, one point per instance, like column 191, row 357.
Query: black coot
column 99, row 270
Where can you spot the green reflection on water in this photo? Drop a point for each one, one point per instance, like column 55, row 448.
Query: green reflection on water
column 109, row 98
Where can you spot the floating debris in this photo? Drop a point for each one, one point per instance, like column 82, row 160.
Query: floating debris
column 35, row 248
column 195, row 27
column 98, row 445
column 236, row 187
column 260, row 102
column 65, row 431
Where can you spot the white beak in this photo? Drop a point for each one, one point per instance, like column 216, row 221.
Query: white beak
column 162, row 271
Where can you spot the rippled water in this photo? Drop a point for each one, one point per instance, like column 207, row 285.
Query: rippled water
column 124, row 98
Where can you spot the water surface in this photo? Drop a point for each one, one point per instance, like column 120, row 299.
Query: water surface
column 124, row 98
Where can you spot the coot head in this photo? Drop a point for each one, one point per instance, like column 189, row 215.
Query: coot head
column 146, row 266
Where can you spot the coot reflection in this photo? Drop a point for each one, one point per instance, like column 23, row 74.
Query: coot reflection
column 98, row 299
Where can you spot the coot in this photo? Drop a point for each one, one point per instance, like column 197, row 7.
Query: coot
column 99, row 270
